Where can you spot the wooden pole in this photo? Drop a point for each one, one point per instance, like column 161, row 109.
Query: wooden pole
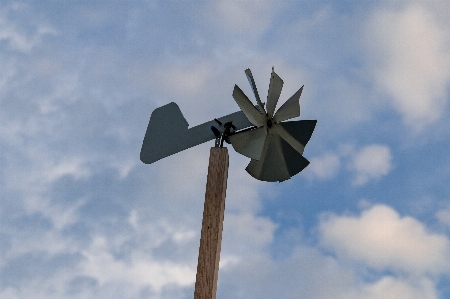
column 212, row 225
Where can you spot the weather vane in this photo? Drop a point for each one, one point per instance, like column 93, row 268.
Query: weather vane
column 274, row 146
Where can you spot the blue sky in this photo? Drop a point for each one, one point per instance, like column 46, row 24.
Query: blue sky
column 82, row 217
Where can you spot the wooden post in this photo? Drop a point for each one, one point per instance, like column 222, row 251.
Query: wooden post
column 212, row 225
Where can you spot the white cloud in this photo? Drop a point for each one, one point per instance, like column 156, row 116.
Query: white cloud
column 180, row 175
column 443, row 216
column 371, row 162
column 243, row 191
column 325, row 166
column 383, row 240
column 139, row 270
column 390, row 287
column 72, row 166
column 308, row 273
column 14, row 33
column 244, row 233
column 249, row 18
column 188, row 79
column 9, row 293
column 412, row 59
column 367, row 163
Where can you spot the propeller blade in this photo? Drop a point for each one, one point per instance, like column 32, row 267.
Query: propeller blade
column 290, row 109
column 278, row 129
column 275, row 86
column 253, row 115
column 249, row 75
column 279, row 161
column 271, row 167
column 249, row 143
column 300, row 130
column 295, row 162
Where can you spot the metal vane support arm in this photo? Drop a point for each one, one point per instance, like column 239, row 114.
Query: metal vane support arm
column 168, row 132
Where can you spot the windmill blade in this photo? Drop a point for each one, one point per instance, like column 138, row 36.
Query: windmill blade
column 278, row 162
column 249, row 75
column 168, row 133
column 253, row 115
column 271, row 167
column 290, row 109
column 249, row 143
column 275, row 86
column 278, row 129
column 300, row 130
column 295, row 162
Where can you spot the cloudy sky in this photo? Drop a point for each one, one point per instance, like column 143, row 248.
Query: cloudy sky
column 82, row 217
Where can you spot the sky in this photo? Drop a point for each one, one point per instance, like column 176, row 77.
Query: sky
column 82, row 217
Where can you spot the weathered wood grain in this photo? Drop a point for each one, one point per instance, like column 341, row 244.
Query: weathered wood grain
column 212, row 225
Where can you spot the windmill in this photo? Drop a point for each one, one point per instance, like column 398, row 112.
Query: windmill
column 274, row 145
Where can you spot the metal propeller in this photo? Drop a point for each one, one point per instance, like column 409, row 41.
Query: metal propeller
column 275, row 148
